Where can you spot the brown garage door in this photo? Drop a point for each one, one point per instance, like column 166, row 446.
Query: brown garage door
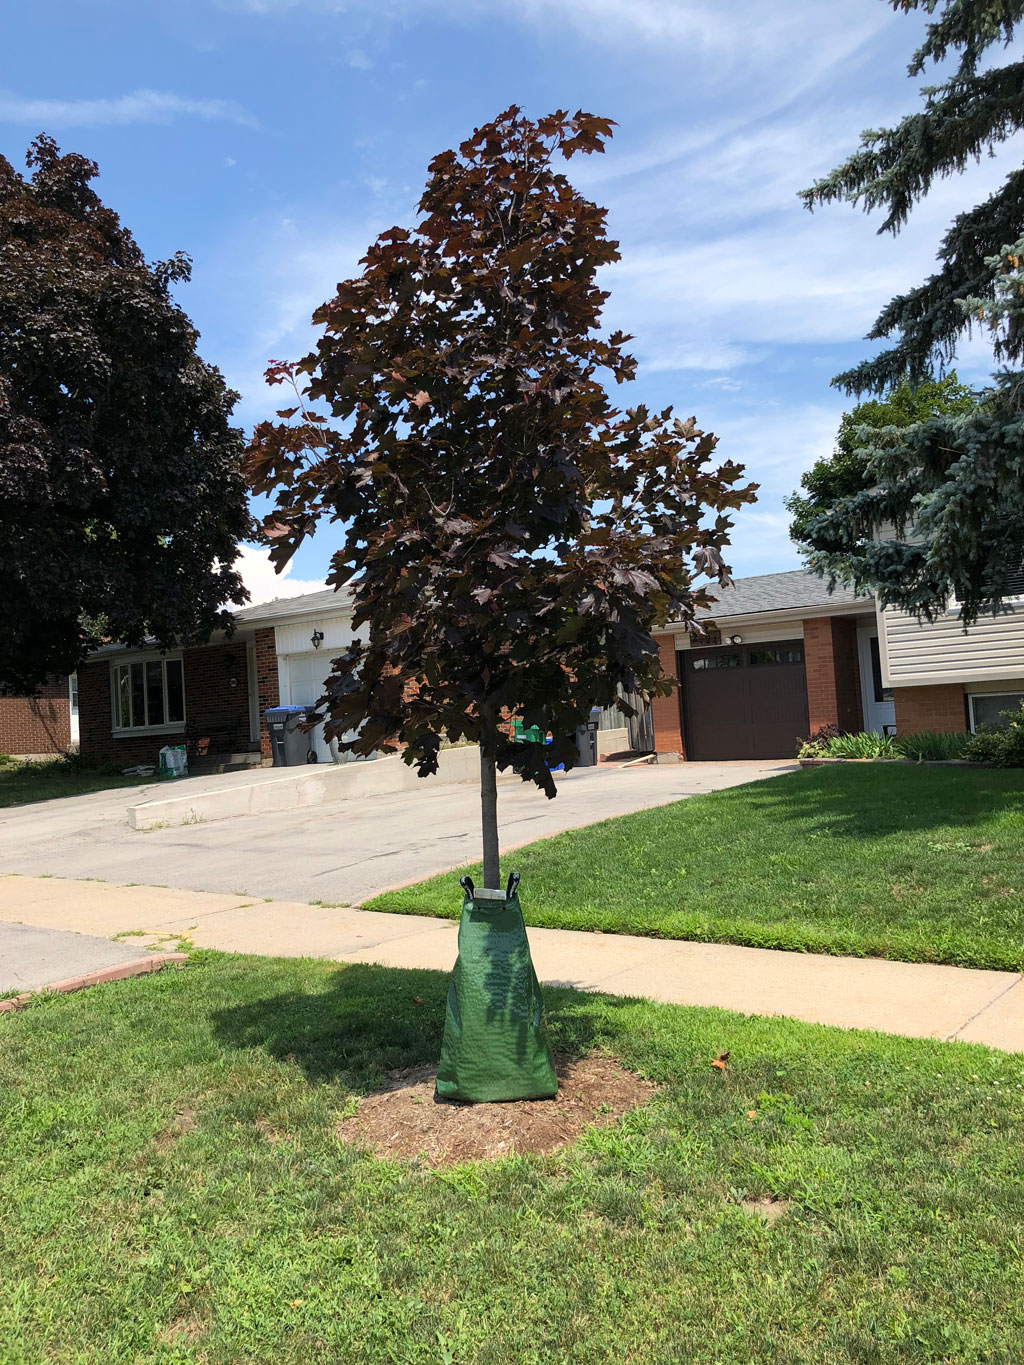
column 744, row 701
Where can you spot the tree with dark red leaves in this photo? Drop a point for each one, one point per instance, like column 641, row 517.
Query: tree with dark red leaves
column 510, row 540
column 121, row 495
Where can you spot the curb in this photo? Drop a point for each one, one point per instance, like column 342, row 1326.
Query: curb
column 139, row 966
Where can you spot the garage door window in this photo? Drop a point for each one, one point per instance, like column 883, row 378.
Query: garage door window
column 781, row 654
column 716, row 661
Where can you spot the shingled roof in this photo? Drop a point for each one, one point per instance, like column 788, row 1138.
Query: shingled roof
column 322, row 603
column 782, row 592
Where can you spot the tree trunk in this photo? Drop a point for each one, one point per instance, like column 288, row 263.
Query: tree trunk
column 489, row 805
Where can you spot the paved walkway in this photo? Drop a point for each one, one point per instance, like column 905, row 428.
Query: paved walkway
column 894, row 997
column 31, row 957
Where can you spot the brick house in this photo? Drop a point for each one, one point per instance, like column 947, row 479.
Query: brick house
column 788, row 657
column 43, row 724
column 213, row 698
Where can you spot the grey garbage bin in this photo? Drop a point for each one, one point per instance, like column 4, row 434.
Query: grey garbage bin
column 289, row 745
column 586, row 739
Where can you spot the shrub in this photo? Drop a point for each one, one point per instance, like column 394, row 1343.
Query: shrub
column 865, row 745
column 814, row 746
column 931, row 746
column 1001, row 745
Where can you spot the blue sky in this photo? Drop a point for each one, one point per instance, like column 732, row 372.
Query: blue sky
column 274, row 139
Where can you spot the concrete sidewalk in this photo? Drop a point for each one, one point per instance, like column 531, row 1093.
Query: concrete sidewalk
column 918, row 1000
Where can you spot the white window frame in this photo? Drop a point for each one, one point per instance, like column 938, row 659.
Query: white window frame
column 171, row 727
column 988, row 695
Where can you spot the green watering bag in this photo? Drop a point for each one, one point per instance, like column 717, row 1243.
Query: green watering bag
column 494, row 1044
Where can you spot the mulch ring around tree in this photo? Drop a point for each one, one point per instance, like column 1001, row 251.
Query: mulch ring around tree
column 406, row 1119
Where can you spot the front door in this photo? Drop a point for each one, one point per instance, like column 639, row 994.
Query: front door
column 744, row 701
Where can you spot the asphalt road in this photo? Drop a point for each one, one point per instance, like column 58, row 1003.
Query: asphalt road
column 341, row 852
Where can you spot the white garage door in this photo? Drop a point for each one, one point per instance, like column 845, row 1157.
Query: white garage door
column 306, row 675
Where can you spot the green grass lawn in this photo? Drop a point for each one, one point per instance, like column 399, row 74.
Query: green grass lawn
column 915, row 863
column 22, row 782
column 172, row 1192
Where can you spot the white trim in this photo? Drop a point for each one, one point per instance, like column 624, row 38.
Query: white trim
column 879, row 716
column 174, row 727
column 970, row 702
column 723, row 622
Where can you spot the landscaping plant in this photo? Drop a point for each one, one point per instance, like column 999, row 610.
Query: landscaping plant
column 122, row 500
column 931, row 746
column 1001, row 745
column 509, row 539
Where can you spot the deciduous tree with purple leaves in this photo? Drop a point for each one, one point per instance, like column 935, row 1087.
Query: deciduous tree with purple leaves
column 510, row 539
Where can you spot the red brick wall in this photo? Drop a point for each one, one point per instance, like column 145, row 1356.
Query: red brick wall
column 668, row 735
column 267, row 683
column 216, row 714
column 941, row 707
column 40, row 724
column 833, row 673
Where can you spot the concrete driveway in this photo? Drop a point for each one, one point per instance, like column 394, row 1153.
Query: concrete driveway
column 339, row 853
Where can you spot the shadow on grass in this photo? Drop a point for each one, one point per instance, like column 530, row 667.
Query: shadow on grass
column 373, row 1020
column 873, row 800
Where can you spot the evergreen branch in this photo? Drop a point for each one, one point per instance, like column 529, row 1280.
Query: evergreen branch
column 896, row 167
column 965, row 27
column 930, row 318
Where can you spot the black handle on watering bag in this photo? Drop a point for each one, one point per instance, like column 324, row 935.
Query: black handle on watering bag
column 513, row 885
column 467, row 885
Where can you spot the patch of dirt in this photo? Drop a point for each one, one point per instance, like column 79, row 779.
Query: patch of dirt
column 181, row 1331
column 408, row 1120
column 184, row 1121
column 766, row 1208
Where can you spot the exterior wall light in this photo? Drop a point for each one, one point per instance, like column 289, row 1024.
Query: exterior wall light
column 735, row 639
column 317, row 638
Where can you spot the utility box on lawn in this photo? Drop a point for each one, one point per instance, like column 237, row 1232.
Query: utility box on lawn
column 289, row 745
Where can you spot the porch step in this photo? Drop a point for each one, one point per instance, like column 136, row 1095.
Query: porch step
column 224, row 763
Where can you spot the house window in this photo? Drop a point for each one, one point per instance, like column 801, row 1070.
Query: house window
column 775, row 654
column 987, row 707
column 716, row 661
column 148, row 694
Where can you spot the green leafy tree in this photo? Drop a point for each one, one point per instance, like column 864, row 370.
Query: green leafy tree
column 121, row 494
column 944, row 507
column 849, row 470
column 510, row 539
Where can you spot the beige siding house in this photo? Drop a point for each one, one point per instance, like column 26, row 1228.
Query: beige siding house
column 944, row 677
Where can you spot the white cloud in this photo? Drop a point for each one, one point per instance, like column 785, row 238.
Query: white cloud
column 264, row 584
column 358, row 60
column 143, row 106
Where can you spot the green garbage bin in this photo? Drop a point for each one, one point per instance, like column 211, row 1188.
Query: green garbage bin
column 495, row 1046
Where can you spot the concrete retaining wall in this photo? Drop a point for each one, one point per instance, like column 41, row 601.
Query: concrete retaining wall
column 297, row 787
